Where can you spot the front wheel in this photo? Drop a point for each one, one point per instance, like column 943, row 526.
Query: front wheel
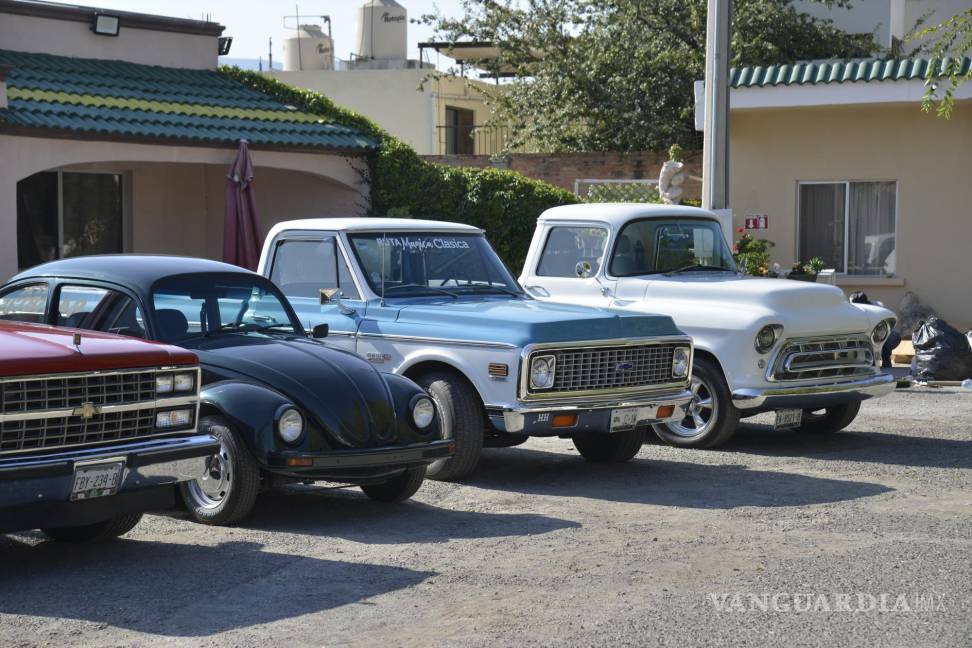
column 397, row 489
column 599, row 447
column 710, row 418
column 226, row 491
column 97, row 532
column 461, row 419
column 832, row 419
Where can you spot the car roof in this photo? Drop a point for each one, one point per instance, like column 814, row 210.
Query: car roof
column 616, row 214
column 373, row 225
column 137, row 271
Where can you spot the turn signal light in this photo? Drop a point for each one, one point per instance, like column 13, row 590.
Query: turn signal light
column 564, row 420
column 665, row 411
column 300, row 462
column 498, row 370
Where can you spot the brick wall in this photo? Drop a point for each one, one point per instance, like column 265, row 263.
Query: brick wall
column 562, row 169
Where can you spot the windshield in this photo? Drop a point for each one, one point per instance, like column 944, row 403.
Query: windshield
column 653, row 246
column 201, row 305
column 416, row 263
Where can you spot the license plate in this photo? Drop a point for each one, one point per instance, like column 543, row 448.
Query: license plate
column 624, row 419
column 788, row 418
column 96, row 480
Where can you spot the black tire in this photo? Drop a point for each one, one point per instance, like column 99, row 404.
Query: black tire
column 707, row 380
column 834, row 419
column 461, row 419
column 97, row 532
column 233, row 497
column 397, row 489
column 609, row 448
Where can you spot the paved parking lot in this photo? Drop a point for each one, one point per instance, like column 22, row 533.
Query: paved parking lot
column 870, row 529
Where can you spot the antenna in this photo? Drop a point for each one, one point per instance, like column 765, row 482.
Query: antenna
column 300, row 55
column 384, row 246
column 270, row 54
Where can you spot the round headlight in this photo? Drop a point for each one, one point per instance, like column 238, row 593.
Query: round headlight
column 290, row 425
column 423, row 412
column 542, row 372
column 680, row 363
column 766, row 338
column 881, row 332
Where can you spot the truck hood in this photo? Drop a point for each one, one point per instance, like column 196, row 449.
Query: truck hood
column 34, row 349
column 346, row 395
column 798, row 301
column 520, row 322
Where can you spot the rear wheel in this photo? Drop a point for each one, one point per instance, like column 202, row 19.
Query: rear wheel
column 461, row 419
column 832, row 419
column 226, row 492
column 711, row 418
column 609, row 448
column 397, row 489
column 97, row 532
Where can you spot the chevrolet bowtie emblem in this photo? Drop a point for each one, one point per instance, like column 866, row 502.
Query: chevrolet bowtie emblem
column 87, row 410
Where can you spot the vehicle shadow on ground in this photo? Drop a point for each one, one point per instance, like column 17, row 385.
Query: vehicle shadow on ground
column 182, row 590
column 349, row 515
column 662, row 483
column 853, row 445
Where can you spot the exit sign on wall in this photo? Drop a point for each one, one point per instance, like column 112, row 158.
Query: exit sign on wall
column 757, row 221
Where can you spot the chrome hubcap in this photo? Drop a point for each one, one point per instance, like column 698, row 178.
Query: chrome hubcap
column 214, row 485
column 701, row 413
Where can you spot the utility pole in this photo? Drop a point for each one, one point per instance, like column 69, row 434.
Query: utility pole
column 715, row 142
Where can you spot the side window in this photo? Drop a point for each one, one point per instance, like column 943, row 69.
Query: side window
column 301, row 268
column 570, row 250
column 25, row 304
column 99, row 309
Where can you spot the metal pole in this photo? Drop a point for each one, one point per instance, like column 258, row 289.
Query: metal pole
column 715, row 145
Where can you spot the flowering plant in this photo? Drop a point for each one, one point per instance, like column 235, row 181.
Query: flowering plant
column 752, row 255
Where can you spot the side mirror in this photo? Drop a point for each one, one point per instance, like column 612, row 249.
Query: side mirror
column 320, row 331
column 329, row 294
column 583, row 269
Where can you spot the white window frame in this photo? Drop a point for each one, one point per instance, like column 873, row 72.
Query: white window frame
column 847, row 184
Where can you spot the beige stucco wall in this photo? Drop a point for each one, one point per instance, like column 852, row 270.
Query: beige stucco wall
column 71, row 38
column 929, row 157
column 177, row 193
column 457, row 92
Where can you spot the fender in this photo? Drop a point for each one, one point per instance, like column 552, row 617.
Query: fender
column 252, row 410
column 487, row 392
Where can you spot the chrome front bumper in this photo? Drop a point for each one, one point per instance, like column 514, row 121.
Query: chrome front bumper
column 813, row 396
column 524, row 416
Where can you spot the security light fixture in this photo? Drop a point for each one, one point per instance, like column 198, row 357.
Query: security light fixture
column 225, row 42
column 106, row 24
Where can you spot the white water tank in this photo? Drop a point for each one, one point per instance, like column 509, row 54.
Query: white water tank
column 308, row 48
column 382, row 30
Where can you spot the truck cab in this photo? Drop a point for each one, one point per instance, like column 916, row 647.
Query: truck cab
column 799, row 349
column 432, row 301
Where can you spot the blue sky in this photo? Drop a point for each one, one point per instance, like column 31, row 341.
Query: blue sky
column 252, row 22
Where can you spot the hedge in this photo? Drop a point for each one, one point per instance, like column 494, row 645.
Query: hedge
column 504, row 203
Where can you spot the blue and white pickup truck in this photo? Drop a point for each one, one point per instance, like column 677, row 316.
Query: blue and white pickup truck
column 432, row 301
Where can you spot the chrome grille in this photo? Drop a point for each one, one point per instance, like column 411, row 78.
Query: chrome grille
column 610, row 367
column 837, row 356
column 22, row 396
column 47, row 433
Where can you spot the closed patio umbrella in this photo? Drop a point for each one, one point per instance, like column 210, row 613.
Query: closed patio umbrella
column 241, row 237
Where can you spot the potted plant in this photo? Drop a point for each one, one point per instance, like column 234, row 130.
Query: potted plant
column 807, row 271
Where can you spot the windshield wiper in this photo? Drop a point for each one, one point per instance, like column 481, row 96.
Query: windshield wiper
column 414, row 285
column 696, row 266
column 269, row 327
column 501, row 289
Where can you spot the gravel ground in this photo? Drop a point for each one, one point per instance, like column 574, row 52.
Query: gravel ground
column 776, row 538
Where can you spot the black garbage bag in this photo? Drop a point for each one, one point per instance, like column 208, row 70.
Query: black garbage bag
column 941, row 352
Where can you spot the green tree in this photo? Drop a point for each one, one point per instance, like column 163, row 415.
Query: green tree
column 949, row 42
column 617, row 75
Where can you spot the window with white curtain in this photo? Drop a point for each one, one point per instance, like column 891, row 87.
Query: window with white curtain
column 850, row 225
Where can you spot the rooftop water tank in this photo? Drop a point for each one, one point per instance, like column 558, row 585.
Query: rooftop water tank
column 382, row 30
column 308, row 48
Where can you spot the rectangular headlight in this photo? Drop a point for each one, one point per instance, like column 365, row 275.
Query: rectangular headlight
column 173, row 418
column 681, row 363
column 163, row 384
column 184, row 382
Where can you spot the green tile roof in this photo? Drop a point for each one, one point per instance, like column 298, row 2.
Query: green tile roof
column 131, row 101
column 809, row 73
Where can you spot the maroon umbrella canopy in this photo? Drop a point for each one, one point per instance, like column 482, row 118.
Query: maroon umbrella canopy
column 241, row 232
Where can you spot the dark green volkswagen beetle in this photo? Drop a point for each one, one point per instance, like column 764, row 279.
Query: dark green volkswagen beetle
column 285, row 407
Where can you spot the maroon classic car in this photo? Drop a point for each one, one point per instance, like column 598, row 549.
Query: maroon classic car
column 95, row 429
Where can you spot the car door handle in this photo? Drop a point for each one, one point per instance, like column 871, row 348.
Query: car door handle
column 540, row 290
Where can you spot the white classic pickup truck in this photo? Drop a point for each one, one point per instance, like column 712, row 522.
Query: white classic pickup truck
column 796, row 348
